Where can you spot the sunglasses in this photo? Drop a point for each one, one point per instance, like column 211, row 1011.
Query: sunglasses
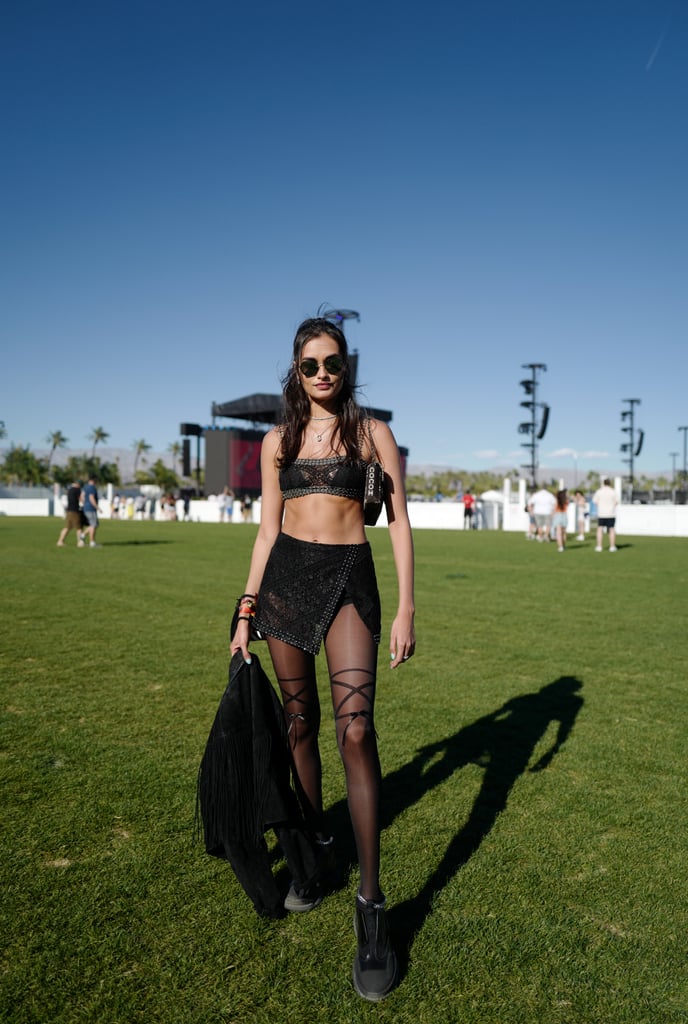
column 333, row 365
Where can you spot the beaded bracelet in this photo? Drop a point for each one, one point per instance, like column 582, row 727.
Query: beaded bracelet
column 246, row 607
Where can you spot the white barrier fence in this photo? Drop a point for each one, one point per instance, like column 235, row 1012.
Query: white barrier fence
column 29, row 507
column 508, row 513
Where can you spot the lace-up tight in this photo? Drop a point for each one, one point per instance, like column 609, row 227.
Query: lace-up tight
column 352, row 660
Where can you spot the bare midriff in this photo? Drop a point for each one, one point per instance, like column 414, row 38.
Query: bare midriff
column 324, row 519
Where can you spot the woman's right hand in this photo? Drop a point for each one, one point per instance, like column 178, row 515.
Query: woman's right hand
column 240, row 641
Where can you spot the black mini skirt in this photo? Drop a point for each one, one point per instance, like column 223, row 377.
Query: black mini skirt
column 304, row 585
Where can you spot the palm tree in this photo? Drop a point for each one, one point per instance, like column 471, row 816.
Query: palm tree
column 3, row 429
column 56, row 440
column 22, row 467
column 175, row 450
column 139, row 447
column 97, row 435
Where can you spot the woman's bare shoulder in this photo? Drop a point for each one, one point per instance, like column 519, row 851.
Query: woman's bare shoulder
column 273, row 439
column 271, row 443
column 382, row 439
column 381, row 432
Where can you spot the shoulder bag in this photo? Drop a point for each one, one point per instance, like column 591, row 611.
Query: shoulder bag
column 374, row 491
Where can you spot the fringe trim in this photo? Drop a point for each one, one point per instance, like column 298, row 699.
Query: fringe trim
column 232, row 788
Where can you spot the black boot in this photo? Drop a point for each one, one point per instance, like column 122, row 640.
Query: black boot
column 375, row 970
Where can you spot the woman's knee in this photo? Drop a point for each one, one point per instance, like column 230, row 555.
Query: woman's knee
column 354, row 731
column 303, row 730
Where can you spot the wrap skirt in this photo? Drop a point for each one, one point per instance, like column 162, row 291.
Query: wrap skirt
column 305, row 584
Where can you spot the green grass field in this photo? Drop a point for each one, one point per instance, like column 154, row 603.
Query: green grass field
column 535, row 854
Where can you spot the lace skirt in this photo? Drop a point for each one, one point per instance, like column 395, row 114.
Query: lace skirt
column 304, row 585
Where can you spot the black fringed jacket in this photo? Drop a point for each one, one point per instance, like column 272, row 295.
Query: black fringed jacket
column 244, row 788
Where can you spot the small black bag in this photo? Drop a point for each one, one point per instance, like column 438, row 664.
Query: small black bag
column 374, row 493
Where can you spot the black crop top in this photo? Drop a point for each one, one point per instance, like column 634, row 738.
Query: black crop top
column 323, row 476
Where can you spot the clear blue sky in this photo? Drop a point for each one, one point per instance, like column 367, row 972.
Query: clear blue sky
column 487, row 183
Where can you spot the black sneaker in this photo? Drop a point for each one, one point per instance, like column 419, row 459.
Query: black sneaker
column 299, row 900
column 375, row 970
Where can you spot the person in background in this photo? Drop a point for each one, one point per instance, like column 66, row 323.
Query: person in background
column 312, row 580
column 532, row 524
column 581, row 509
column 543, row 503
column 560, row 519
column 225, row 504
column 91, row 510
column 606, row 501
column 169, row 508
column 73, row 515
column 468, row 509
column 186, row 499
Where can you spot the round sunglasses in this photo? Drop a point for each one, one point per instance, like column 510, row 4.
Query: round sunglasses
column 333, row 365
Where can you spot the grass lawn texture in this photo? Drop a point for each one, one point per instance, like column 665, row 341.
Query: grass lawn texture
column 534, row 845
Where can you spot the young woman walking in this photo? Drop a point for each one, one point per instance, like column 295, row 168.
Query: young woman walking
column 312, row 580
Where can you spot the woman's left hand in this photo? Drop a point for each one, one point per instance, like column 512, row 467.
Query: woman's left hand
column 402, row 643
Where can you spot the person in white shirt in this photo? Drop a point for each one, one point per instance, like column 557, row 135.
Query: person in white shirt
column 543, row 503
column 606, row 501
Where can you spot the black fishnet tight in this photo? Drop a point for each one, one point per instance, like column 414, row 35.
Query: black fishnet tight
column 352, row 660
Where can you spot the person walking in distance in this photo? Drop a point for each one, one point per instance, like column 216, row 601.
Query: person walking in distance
column 606, row 501
column 91, row 510
column 581, row 509
column 73, row 515
column 560, row 519
column 543, row 504
column 312, row 580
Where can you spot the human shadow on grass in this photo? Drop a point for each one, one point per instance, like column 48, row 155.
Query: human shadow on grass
column 135, row 543
column 502, row 743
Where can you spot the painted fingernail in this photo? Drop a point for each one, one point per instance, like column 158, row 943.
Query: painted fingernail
column 247, row 661
column 392, row 655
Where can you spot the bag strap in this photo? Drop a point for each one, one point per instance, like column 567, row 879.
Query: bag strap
column 373, row 449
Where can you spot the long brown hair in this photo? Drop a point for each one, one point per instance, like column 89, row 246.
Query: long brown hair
column 297, row 409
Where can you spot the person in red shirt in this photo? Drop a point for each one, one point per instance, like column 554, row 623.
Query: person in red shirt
column 468, row 509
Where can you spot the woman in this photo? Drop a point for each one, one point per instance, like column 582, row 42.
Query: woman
column 581, row 509
column 560, row 519
column 312, row 578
